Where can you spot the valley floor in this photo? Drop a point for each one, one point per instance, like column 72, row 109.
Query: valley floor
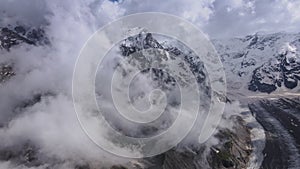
column 280, row 119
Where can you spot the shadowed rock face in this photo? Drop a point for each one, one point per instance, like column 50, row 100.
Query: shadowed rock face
column 283, row 70
column 286, row 72
column 146, row 40
column 261, row 63
column 231, row 152
column 6, row 72
column 10, row 37
column 234, row 149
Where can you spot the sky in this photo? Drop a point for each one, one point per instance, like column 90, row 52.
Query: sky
column 217, row 18
column 224, row 18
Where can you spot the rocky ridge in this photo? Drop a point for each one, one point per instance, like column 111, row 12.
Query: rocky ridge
column 262, row 63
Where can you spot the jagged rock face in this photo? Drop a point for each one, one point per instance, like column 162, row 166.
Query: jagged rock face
column 234, row 148
column 132, row 47
column 284, row 71
column 146, row 40
column 232, row 151
column 136, row 43
column 134, row 50
column 6, row 72
column 10, row 37
column 263, row 63
column 183, row 160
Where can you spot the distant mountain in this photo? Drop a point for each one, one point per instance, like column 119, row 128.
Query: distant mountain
column 261, row 63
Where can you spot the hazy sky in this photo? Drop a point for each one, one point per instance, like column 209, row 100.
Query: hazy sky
column 218, row 18
column 226, row 18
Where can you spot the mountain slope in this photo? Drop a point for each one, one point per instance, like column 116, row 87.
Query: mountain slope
column 264, row 63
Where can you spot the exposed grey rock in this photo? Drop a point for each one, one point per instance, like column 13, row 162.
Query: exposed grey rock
column 234, row 149
column 6, row 72
column 10, row 37
column 267, row 62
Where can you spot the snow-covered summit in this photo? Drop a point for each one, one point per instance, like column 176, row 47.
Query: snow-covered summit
column 258, row 62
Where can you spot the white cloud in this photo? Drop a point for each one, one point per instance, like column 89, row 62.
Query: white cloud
column 242, row 17
column 199, row 10
column 112, row 9
column 293, row 8
column 194, row 10
column 223, row 18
